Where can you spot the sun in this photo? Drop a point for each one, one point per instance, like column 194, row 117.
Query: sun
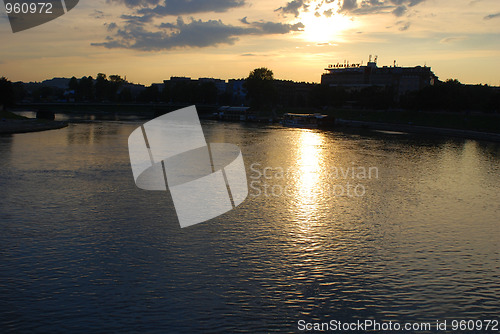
column 323, row 23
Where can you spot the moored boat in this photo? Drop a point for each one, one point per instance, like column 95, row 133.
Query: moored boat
column 308, row 121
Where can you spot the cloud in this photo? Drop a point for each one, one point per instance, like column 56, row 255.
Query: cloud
column 405, row 27
column 136, row 3
column 145, row 11
column 492, row 16
column 97, row 14
column 449, row 40
column 367, row 10
column 272, row 28
column 412, row 3
column 196, row 33
column 267, row 27
column 137, row 19
column 329, row 8
column 366, row 7
column 351, row 7
column 112, row 26
column 399, row 11
column 180, row 7
column 293, row 7
column 348, row 5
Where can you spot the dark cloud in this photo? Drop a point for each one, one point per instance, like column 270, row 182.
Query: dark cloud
column 353, row 7
column 112, row 26
column 293, row 7
column 272, row 28
column 196, row 33
column 147, row 10
column 412, row 3
column 492, row 16
column 348, row 5
column 367, row 10
column 267, row 27
column 399, row 11
column 137, row 19
column 180, row 7
column 137, row 3
column 365, row 7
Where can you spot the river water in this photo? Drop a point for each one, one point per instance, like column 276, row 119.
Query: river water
column 337, row 226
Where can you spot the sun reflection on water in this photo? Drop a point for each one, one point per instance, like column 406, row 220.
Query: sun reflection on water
column 308, row 172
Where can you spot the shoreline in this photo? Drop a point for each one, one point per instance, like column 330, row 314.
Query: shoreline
column 476, row 135
column 14, row 126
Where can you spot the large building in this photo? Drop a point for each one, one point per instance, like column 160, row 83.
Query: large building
column 357, row 76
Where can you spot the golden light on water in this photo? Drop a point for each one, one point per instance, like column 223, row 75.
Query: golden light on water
column 308, row 171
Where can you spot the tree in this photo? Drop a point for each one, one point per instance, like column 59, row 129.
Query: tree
column 86, row 88
column 114, row 85
column 101, row 83
column 19, row 91
column 73, row 84
column 6, row 92
column 115, row 78
column 260, row 88
column 125, row 95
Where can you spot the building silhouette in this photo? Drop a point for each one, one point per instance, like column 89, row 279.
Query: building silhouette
column 357, row 76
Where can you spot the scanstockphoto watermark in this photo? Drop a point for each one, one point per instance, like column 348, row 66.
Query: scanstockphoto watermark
column 372, row 325
column 337, row 181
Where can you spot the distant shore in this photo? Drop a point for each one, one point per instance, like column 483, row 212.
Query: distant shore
column 420, row 130
column 12, row 126
column 471, row 125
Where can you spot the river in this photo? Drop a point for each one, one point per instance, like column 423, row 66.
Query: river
column 337, row 226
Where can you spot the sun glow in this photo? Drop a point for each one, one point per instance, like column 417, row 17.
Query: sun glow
column 325, row 24
column 308, row 161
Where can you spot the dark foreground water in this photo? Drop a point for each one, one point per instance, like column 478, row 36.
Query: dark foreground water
column 337, row 226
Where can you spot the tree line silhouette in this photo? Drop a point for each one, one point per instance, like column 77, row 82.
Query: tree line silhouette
column 263, row 91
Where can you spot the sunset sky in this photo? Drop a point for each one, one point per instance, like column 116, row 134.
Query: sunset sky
column 150, row 40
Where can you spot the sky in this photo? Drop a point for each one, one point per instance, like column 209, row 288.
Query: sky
column 151, row 40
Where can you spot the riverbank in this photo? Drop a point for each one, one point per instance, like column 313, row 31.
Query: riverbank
column 471, row 121
column 11, row 123
column 473, row 125
column 420, row 129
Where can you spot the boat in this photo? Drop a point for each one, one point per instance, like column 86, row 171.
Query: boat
column 307, row 121
column 238, row 114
